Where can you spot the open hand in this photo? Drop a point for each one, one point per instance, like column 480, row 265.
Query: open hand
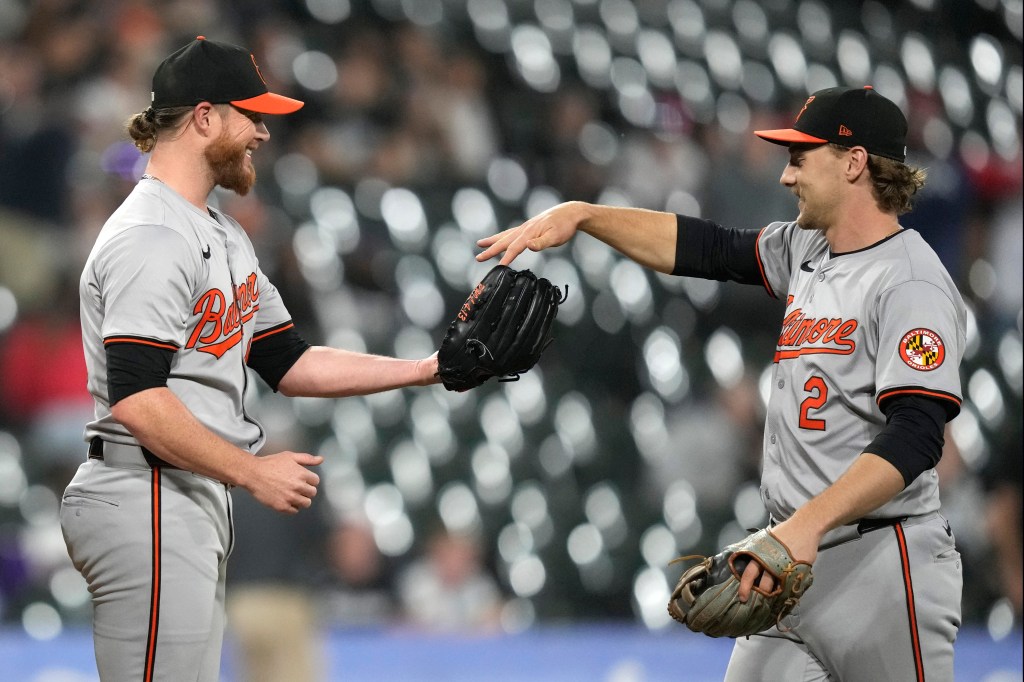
column 553, row 227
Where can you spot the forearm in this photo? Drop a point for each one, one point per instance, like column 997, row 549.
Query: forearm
column 336, row 373
column 868, row 484
column 647, row 237
column 162, row 424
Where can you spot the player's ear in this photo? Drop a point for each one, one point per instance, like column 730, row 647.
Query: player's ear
column 203, row 115
column 856, row 162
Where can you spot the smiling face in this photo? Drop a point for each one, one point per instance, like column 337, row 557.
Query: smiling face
column 229, row 156
column 814, row 175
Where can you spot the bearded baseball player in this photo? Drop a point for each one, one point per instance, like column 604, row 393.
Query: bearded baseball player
column 174, row 308
column 865, row 378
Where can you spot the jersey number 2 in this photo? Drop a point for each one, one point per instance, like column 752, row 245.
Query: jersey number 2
column 818, row 389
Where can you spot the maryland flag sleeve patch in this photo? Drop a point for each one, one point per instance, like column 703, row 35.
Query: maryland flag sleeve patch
column 922, row 349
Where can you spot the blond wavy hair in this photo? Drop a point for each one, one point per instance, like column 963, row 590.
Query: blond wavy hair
column 894, row 183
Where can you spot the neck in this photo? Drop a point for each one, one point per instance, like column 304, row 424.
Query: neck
column 860, row 224
column 181, row 176
column 860, row 237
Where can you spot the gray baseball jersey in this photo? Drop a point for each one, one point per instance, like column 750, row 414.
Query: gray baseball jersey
column 152, row 541
column 859, row 327
column 164, row 273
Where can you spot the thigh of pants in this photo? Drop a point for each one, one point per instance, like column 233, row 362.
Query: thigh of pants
column 152, row 546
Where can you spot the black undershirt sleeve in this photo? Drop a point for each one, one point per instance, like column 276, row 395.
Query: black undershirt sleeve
column 274, row 351
column 134, row 367
column 913, row 435
column 708, row 250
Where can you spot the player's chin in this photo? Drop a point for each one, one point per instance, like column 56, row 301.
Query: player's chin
column 806, row 222
column 240, row 181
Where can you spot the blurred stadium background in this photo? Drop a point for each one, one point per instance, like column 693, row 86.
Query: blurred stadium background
column 432, row 123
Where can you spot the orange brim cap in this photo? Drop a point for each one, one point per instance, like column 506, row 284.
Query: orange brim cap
column 269, row 103
column 788, row 136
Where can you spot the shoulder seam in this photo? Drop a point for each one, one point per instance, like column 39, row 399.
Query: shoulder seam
column 914, row 280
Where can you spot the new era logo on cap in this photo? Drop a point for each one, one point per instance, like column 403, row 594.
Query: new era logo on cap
column 219, row 73
column 849, row 117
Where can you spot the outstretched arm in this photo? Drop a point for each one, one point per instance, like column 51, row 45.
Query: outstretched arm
column 335, row 373
column 647, row 237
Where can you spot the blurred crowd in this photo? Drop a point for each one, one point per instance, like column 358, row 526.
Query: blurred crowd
column 427, row 125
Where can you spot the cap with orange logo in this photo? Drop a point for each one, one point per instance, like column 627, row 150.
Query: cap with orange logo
column 850, row 117
column 219, row 73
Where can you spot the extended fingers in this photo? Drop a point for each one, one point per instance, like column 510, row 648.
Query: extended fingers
column 512, row 241
column 488, row 241
column 505, row 242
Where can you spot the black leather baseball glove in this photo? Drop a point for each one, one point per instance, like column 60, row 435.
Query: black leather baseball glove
column 500, row 331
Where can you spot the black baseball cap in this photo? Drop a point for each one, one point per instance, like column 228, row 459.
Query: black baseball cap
column 850, row 117
column 219, row 73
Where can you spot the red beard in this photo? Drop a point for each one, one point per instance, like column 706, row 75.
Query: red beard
column 227, row 162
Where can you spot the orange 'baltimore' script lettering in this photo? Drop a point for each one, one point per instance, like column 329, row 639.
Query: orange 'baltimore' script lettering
column 803, row 335
column 219, row 327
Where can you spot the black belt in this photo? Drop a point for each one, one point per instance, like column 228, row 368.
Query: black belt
column 842, row 535
column 852, row 531
column 868, row 525
column 96, row 452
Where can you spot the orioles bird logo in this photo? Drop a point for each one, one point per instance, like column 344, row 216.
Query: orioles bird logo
column 922, row 349
column 257, row 67
column 809, row 100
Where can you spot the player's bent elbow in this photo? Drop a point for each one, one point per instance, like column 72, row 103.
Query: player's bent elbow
column 124, row 411
column 300, row 378
column 134, row 411
column 286, row 392
column 291, row 386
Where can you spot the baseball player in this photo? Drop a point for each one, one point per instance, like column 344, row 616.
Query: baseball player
column 174, row 307
column 865, row 377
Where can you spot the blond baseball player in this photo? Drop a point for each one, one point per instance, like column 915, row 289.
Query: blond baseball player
column 865, row 377
column 174, row 308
